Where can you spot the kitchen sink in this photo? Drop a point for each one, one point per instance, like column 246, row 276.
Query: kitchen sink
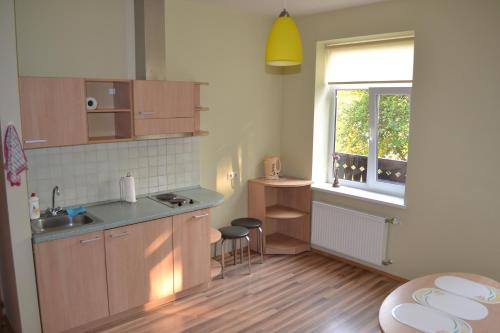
column 50, row 223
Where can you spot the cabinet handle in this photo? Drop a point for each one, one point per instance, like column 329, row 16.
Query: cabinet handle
column 86, row 241
column 200, row 216
column 123, row 234
column 36, row 141
column 146, row 113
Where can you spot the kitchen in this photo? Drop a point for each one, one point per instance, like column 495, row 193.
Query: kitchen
column 150, row 121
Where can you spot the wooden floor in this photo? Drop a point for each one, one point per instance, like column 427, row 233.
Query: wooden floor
column 302, row 293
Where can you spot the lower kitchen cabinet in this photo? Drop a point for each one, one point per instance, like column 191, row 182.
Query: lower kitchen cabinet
column 71, row 278
column 85, row 278
column 139, row 264
column 191, row 249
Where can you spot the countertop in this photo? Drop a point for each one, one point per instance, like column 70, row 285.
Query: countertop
column 116, row 214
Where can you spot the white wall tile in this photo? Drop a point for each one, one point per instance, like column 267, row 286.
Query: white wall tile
column 91, row 173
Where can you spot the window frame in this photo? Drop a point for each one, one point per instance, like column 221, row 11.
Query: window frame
column 374, row 91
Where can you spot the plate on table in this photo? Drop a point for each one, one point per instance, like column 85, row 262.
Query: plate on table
column 470, row 289
column 429, row 320
column 452, row 304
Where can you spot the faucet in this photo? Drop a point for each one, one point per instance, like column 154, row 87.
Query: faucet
column 55, row 210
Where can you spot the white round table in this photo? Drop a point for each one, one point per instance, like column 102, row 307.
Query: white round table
column 403, row 294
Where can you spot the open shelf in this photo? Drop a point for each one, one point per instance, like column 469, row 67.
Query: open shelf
column 109, row 126
column 111, row 121
column 200, row 133
column 108, row 110
column 278, row 243
column 282, row 212
column 103, row 139
column 110, row 94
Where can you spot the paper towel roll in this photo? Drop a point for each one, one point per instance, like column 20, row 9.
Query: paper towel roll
column 91, row 103
column 127, row 189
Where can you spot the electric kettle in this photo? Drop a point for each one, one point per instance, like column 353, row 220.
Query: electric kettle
column 272, row 167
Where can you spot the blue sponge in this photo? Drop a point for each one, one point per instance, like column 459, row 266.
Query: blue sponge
column 72, row 212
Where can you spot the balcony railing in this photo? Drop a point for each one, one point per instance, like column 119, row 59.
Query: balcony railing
column 354, row 167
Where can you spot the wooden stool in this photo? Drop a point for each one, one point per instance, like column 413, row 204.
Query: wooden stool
column 253, row 223
column 235, row 234
column 215, row 266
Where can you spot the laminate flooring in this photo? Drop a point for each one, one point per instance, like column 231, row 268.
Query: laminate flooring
column 302, row 293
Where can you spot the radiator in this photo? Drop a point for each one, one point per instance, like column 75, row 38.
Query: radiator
column 354, row 234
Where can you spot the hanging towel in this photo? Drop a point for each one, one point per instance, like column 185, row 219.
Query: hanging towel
column 15, row 159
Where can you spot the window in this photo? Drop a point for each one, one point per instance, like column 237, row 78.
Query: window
column 370, row 117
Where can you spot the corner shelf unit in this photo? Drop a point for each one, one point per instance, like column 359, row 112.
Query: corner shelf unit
column 112, row 120
column 284, row 207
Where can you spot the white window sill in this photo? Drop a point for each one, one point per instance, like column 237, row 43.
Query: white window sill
column 351, row 192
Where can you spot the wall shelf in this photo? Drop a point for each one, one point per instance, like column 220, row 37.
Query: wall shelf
column 198, row 109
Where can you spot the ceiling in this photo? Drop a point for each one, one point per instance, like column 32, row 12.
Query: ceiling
column 295, row 7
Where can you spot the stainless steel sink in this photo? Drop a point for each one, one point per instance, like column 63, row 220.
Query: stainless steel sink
column 50, row 223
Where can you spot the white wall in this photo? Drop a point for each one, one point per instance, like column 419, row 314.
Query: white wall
column 90, row 38
column 226, row 48
column 18, row 219
column 451, row 219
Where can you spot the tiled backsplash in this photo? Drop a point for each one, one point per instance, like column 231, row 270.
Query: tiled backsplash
column 91, row 173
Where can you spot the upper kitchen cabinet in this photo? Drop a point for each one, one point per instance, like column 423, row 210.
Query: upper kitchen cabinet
column 52, row 111
column 163, row 99
column 166, row 107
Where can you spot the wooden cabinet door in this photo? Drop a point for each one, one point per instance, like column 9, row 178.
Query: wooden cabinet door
column 71, row 279
column 191, row 249
column 52, row 111
column 125, row 268
column 158, row 259
column 163, row 107
column 139, row 264
column 163, row 99
column 179, row 99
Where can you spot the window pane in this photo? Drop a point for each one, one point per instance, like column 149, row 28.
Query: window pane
column 393, row 131
column 351, row 134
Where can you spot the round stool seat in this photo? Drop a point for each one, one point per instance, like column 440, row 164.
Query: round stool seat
column 215, row 235
column 247, row 222
column 234, row 232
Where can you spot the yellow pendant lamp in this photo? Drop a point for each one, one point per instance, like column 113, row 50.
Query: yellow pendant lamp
column 284, row 47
